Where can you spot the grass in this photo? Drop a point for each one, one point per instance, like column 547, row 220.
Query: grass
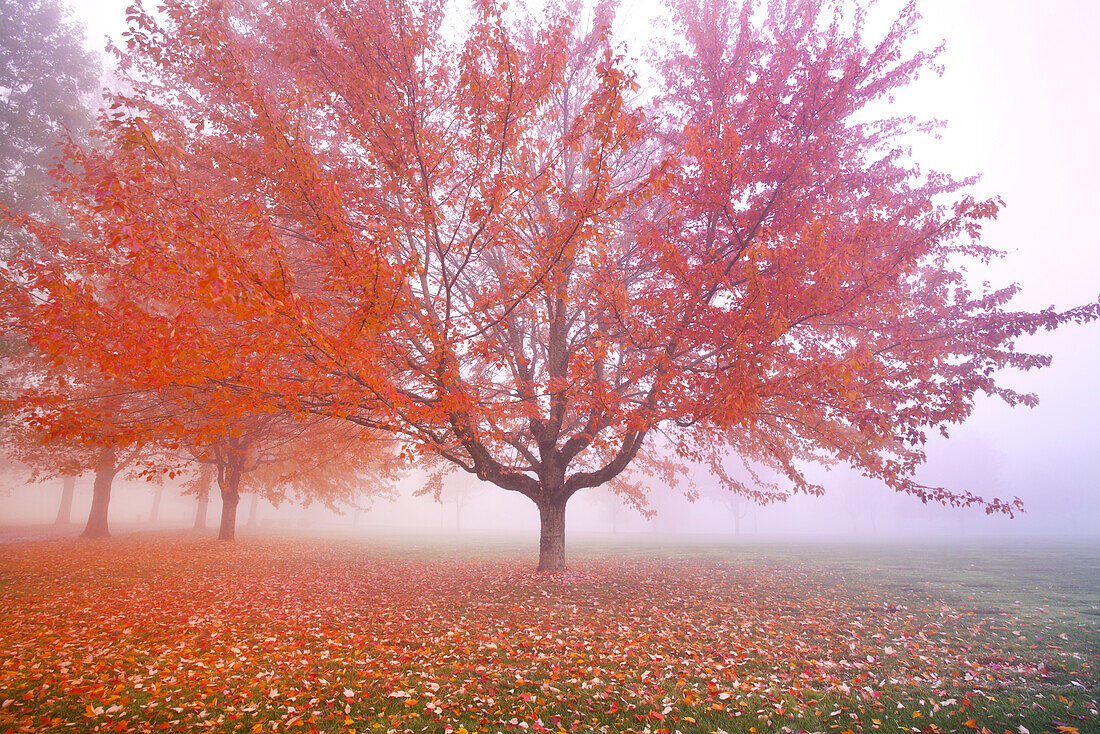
column 174, row 633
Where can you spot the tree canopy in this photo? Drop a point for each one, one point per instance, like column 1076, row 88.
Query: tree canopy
column 47, row 81
column 482, row 237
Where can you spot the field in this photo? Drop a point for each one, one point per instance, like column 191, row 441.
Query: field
column 177, row 633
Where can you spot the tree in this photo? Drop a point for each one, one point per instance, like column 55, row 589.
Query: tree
column 47, row 82
column 494, row 249
column 21, row 444
column 323, row 460
column 457, row 493
column 66, row 415
column 198, row 481
column 47, row 79
column 613, row 510
column 60, row 421
column 67, row 429
column 158, row 494
column 65, row 507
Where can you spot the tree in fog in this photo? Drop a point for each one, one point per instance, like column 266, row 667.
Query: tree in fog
column 48, row 82
column 278, row 457
column 61, row 424
column 493, row 249
column 198, row 482
column 48, row 85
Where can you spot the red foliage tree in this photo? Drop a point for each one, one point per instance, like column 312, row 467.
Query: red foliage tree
column 198, row 481
column 63, row 427
column 491, row 249
column 324, row 460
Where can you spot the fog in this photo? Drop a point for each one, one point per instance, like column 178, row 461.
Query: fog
column 1014, row 95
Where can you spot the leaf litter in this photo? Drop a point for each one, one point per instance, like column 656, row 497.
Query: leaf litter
column 151, row 635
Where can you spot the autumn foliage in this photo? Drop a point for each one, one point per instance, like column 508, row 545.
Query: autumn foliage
column 475, row 230
column 279, row 456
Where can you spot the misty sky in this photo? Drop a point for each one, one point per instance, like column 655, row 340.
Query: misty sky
column 1018, row 96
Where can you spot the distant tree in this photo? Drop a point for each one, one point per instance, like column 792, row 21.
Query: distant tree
column 48, row 82
column 105, row 460
column 491, row 248
column 198, row 481
column 61, row 420
column 738, row 508
column 741, row 474
column 458, row 494
column 158, row 495
column 615, row 509
column 65, row 507
column 319, row 460
column 862, row 510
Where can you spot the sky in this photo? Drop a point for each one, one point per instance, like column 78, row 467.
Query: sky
column 1018, row 97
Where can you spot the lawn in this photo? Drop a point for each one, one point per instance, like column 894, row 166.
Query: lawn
column 176, row 633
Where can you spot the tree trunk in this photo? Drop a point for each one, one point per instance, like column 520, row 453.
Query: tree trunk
column 252, row 510
column 229, row 480
column 552, row 536
column 101, row 495
column 65, row 510
column 200, row 513
column 205, row 481
column 156, row 504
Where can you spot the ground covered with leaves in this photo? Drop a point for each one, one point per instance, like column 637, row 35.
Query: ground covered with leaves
column 173, row 633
